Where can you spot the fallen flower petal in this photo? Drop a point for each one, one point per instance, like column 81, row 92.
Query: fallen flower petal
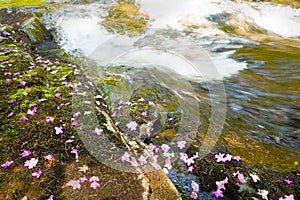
column 141, row 100
column 241, row 177
column 195, row 186
column 95, row 185
column 83, row 179
column 220, row 157
column 165, row 147
column 181, row 144
column 30, row 112
column 23, row 118
column 132, row 126
column 94, row 179
column 290, row 197
column 31, row 163
column 51, row 197
column 218, row 194
column 48, row 157
column 125, row 157
column 237, row 158
column 58, row 130
column 142, row 160
column 221, row 184
column 98, row 131
column 190, row 169
column 75, row 184
column 37, row 174
column 7, row 164
column 194, row 195
column 49, row 119
column 23, row 83
column 84, row 168
column 25, row 153
column 288, row 181
column 228, row 157
column 254, row 177
column 263, row 193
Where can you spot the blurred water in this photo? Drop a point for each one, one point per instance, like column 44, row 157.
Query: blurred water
column 254, row 46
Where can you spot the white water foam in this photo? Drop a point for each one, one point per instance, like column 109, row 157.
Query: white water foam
column 79, row 26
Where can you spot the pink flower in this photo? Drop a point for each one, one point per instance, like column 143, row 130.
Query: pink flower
column 83, row 179
column 57, row 95
column 75, row 151
column 30, row 112
column 58, row 130
column 195, row 186
column 69, row 141
column 288, row 181
column 168, row 164
column 290, row 197
column 132, row 125
column 196, row 155
column 10, row 114
column 31, row 163
column 181, row 144
column 76, row 115
column 51, row 197
column 183, row 156
column 37, row 174
column 141, row 100
column 144, row 114
column 94, row 179
column 189, row 161
column 218, row 194
column 23, row 118
column 165, row 148
column 49, row 119
column 142, row 160
column 194, row 195
column 25, row 153
column 7, row 164
column 237, row 158
column 73, row 123
column 228, row 157
column 98, row 131
column 42, row 100
column 23, row 83
column 75, row 184
column 221, row 184
column 220, row 157
column 48, row 157
column 125, row 157
column 190, row 169
column 95, row 185
column 241, row 177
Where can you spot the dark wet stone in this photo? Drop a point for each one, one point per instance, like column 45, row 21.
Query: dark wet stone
column 35, row 30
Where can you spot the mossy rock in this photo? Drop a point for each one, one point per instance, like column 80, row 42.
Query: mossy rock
column 35, row 30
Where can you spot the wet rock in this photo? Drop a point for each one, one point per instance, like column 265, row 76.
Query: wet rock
column 35, row 30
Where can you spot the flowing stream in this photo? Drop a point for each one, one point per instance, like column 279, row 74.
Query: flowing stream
column 255, row 46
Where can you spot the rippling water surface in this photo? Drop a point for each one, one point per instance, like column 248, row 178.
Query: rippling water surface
column 254, row 46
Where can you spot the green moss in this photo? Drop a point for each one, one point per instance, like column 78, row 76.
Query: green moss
column 125, row 18
column 18, row 3
column 20, row 93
